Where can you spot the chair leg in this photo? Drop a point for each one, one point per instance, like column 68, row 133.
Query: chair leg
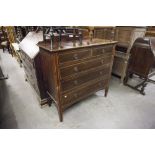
column 8, row 49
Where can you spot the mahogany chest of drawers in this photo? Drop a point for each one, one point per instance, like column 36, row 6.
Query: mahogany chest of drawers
column 72, row 73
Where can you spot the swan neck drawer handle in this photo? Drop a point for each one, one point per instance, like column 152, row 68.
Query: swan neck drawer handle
column 65, row 96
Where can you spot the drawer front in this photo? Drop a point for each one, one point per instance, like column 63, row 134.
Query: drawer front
column 29, row 70
column 28, row 65
column 107, row 50
column 33, row 82
column 25, row 57
column 84, row 66
column 74, row 55
column 70, row 98
column 87, row 77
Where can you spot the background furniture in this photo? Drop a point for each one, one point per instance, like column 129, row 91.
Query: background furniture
column 10, row 31
column 72, row 73
column 31, row 57
column 18, row 54
column 12, row 37
column 4, row 41
column 150, row 31
column 142, row 62
column 3, row 74
column 125, row 37
column 104, row 32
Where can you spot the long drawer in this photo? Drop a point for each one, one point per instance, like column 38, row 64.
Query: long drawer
column 74, row 55
column 33, row 82
column 28, row 63
column 30, row 71
column 24, row 57
column 85, row 78
column 84, row 66
column 70, row 98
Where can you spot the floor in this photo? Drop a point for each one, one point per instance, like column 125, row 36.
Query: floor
column 123, row 108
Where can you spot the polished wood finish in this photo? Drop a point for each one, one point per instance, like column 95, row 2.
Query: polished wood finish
column 72, row 73
column 125, row 37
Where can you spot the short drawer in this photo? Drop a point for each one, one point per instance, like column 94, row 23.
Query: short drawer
column 84, row 66
column 74, row 55
column 85, row 78
column 27, row 65
column 33, row 82
column 77, row 95
column 29, row 70
column 106, row 50
column 25, row 57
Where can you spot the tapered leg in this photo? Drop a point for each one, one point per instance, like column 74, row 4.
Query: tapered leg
column 60, row 114
column 106, row 92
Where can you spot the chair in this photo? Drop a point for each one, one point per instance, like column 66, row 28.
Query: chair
column 141, row 63
column 4, row 42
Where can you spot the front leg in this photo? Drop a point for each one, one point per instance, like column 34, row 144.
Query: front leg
column 106, row 91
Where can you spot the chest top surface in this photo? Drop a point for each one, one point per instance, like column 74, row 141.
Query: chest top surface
column 69, row 45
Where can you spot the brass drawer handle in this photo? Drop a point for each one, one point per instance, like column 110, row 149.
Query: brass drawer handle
column 65, row 96
column 75, row 82
column 76, row 68
column 75, row 56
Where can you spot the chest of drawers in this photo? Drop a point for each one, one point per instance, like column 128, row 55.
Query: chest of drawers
column 73, row 73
